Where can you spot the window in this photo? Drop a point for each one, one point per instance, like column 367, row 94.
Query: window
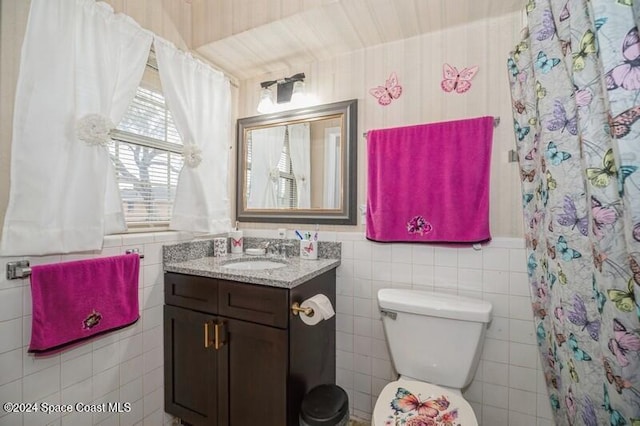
column 147, row 156
column 287, row 187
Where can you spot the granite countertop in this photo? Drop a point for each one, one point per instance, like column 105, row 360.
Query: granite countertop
column 197, row 259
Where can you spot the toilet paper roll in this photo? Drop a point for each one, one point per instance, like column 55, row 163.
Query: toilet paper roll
column 322, row 309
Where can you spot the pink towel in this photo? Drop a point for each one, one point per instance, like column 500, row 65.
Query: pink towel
column 76, row 300
column 430, row 183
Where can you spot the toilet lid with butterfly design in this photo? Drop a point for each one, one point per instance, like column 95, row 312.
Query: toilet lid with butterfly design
column 413, row 403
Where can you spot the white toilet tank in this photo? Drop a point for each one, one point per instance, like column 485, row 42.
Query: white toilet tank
column 434, row 338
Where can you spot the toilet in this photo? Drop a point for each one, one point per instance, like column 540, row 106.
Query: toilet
column 435, row 341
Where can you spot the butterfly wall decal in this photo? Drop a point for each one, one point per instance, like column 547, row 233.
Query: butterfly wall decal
column 579, row 317
column 454, row 81
column 405, row 402
column 626, row 74
column 390, row 91
column 622, row 342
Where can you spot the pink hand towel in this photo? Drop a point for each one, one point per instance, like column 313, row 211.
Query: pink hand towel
column 73, row 301
column 430, row 183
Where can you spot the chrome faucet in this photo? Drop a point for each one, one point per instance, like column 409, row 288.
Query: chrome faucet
column 279, row 250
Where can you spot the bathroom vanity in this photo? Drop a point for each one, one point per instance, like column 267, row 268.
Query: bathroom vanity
column 235, row 351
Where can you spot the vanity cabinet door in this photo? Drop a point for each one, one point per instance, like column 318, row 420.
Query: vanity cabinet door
column 255, row 365
column 191, row 370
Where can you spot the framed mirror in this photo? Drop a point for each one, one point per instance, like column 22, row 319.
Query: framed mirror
column 299, row 166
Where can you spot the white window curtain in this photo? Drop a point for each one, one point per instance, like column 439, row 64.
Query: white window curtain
column 300, row 151
column 199, row 99
column 80, row 67
column 266, row 148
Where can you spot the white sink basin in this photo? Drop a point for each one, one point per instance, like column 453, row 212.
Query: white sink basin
column 254, row 265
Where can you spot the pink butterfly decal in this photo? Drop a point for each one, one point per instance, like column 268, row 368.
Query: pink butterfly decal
column 627, row 74
column 309, row 248
column 236, row 243
column 623, row 342
column 456, row 81
column 391, row 90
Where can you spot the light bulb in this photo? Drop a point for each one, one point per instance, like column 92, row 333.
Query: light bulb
column 298, row 97
column 266, row 103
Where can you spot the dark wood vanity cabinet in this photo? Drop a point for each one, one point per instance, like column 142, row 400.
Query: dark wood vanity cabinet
column 235, row 355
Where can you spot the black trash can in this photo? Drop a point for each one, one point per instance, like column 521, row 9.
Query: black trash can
column 325, row 405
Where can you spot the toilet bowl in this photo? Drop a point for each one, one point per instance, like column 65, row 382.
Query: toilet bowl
column 435, row 341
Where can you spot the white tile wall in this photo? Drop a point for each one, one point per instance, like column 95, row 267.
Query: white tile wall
column 125, row 366
column 508, row 388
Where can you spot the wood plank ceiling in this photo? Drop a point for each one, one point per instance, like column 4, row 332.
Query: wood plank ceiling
column 248, row 38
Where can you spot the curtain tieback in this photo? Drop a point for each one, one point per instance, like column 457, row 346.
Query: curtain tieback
column 94, row 129
column 192, row 155
column 274, row 174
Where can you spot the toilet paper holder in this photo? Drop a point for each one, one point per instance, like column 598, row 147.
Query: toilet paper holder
column 296, row 309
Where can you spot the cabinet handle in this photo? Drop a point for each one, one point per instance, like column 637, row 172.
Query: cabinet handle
column 207, row 341
column 217, row 333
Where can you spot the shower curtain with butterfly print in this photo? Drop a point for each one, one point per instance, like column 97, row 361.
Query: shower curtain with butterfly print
column 575, row 82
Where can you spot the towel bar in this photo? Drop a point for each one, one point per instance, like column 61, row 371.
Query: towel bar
column 22, row 268
column 496, row 123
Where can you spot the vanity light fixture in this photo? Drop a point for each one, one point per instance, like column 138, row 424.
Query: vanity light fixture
column 289, row 90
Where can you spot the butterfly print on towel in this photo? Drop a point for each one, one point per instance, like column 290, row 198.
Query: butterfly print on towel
column 418, row 225
column 627, row 74
column 92, row 320
column 454, row 81
column 391, row 90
